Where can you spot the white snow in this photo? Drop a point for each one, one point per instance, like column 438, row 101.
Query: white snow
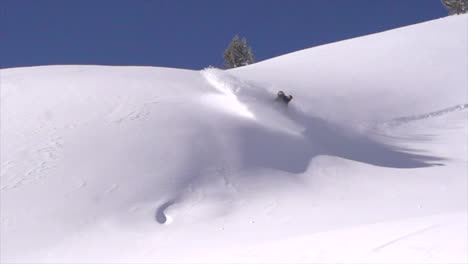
column 107, row 164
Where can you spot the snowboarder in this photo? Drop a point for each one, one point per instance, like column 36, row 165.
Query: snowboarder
column 282, row 97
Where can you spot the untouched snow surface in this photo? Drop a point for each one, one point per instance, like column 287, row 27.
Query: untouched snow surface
column 367, row 164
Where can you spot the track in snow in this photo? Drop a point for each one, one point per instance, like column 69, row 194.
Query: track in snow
column 406, row 119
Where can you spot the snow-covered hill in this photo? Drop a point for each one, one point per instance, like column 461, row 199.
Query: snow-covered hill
column 368, row 163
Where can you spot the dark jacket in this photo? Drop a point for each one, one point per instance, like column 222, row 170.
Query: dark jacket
column 282, row 97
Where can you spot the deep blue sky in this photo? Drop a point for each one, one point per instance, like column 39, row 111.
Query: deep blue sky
column 188, row 34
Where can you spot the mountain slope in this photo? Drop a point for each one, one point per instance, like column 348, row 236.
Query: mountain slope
column 142, row 164
column 418, row 69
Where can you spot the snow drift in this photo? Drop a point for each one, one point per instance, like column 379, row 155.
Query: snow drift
column 368, row 163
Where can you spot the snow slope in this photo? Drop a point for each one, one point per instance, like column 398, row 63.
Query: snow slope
column 367, row 164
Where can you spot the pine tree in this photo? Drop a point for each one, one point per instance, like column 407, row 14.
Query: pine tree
column 238, row 54
column 456, row 6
